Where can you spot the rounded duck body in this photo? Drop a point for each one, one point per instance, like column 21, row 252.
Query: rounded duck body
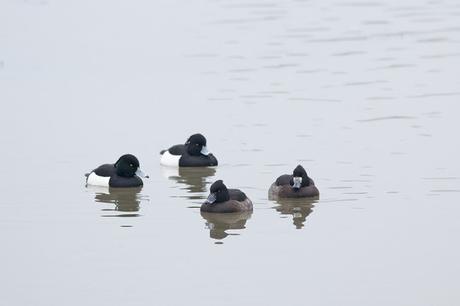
column 124, row 173
column 295, row 185
column 223, row 200
column 193, row 153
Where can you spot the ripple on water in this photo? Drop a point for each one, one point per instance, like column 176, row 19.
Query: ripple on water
column 393, row 66
column 338, row 39
column 313, row 99
column 303, row 135
column 439, row 55
column 339, row 187
column 321, row 29
column 256, row 96
column 202, row 55
column 376, row 22
column 244, row 21
column 348, row 53
column 385, row 118
column 297, row 54
column 362, row 4
column 310, row 71
column 276, row 165
column 380, row 98
column 433, row 40
column 364, row 83
column 242, row 70
column 251, row 5
column 334, row 200
column 442, row 178
column 281, row 66
column 435, row 94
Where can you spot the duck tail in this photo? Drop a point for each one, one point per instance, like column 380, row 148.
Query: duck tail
column 162, row 151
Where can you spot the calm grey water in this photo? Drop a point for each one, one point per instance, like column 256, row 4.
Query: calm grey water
column 364, row 94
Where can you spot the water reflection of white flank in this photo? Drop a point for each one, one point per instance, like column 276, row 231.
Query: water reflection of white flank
column 124, row 202
column 193, row 180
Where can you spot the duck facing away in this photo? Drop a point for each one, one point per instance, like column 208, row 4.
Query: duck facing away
column 297, row 185
column 223, row 200
column 124, row 173
column 193, row 153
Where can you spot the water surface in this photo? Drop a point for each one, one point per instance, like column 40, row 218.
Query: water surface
column 363, row 94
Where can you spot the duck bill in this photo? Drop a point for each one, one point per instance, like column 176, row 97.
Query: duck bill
column 204, row 151
column 297, row 182
column 141, row 173
column 211, row 198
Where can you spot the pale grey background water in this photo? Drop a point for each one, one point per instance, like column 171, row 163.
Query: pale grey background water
column 363, row 93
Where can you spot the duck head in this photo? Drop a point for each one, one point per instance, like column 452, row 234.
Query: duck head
column 128, row 166
column 218, row 193
column 196, row 145
column 299, row 178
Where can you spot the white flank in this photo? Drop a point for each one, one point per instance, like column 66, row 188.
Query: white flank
column 167, row 159
column 96, row 180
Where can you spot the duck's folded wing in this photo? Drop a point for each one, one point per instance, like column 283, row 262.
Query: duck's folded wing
column 283, row 180
column 105, row 170
column 236, row 194
column 177, row 149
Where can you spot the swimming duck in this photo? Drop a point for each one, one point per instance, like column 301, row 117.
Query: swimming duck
column 124, row 173
column 193, row 153
column 297, row 185
column 223, row 200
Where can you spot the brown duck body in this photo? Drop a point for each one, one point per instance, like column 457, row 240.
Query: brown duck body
column 281, row 188
column 238, row 202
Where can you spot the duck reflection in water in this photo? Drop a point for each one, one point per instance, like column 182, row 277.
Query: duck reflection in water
column 195, row 179
column 218, row 224
column 299, row 208
column 125, row 200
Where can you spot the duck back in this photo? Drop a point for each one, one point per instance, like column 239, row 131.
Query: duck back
column 105, row 170
column 237, row 195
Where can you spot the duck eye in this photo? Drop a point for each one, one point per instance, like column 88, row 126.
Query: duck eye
column 131, row 165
